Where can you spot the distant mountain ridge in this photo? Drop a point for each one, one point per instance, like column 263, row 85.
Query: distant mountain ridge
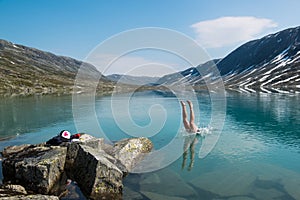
column 133, row 80
column 29, row 70
column 190, row 75
column 270, row 64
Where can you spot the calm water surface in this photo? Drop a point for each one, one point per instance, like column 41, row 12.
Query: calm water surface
column 256, row 157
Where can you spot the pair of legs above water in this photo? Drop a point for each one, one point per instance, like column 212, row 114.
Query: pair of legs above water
column 189, row 125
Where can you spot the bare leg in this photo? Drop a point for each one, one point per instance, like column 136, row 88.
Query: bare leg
column 193, row 126
column 184, row 117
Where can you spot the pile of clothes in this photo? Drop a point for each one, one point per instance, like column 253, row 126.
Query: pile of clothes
column 63, row 137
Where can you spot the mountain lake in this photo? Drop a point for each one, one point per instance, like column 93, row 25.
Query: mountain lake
column 256, row 157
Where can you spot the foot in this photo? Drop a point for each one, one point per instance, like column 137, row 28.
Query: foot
column 190, row 103
column 182, row 103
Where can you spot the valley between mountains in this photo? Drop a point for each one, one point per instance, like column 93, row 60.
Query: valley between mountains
column 268, row 65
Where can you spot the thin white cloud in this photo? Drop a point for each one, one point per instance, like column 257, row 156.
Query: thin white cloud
column 227, row 31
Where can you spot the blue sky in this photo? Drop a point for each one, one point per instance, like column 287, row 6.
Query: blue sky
column 73, row 28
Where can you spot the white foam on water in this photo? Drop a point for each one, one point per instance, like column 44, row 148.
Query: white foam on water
column 201, row 131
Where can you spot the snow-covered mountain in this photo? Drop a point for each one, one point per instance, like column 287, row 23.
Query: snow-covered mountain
column 270, row 64
column 190, row 75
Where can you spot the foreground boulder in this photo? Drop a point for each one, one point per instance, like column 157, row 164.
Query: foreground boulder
column 31, row 197
column 98, row 168
column 96, row 144
column 38, row 168
column 12, row 190
column 96, row 174
column 15, row 192
column 131, row 151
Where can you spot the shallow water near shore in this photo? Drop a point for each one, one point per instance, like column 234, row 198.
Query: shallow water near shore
column 257, row 155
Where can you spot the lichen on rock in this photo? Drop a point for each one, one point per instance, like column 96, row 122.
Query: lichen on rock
column 37, row 167
column 98, row 168
column 131, row 151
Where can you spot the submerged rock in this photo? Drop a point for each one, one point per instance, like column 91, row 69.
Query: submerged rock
column 226, row 182
column 259, row 181
column 267, row 194
column 283, row 180
column 36, row 167
column 167, row 182
column 155, row 196
column 129, row 194
column 241, row 198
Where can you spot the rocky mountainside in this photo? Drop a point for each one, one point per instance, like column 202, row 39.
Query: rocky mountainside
column 270, row 64
column 28, row 70
column 190, row 75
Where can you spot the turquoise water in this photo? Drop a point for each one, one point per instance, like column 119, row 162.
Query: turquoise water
column 256, row 157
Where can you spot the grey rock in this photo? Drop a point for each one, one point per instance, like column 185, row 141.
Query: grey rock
column 11, row 190
column 73, row 192
column 131, row 151
column 96, row 175
column 98, row 168
column 36, row 167
column 95, row 143
column 13, row 150
column 30, row 197
column 14, row 192
column 87, row 140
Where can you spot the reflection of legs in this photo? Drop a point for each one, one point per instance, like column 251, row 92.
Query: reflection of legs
column 184, row 157
column 192, row 154
column 192, row 125
column 184, row 117
column 186, row 146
